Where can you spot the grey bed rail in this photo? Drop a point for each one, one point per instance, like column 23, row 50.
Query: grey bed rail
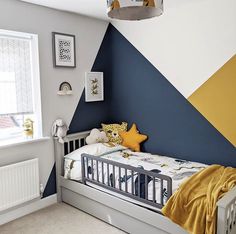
column 102, row 172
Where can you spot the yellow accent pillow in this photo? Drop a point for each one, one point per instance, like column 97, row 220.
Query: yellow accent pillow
column 132, row 139
column 112, row 131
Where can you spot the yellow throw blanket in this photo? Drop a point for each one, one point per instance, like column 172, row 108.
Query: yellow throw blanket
column 193, row 205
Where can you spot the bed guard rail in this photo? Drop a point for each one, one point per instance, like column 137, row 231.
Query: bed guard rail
column 147, row 187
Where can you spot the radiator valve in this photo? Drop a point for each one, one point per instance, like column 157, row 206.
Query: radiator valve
column 41, row 189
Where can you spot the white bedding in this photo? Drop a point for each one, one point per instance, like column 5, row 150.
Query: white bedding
column 178, row 170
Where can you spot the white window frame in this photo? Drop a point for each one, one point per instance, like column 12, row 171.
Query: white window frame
column 38, row 133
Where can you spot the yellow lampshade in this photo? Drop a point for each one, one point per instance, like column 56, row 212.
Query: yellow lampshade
column 134, row 9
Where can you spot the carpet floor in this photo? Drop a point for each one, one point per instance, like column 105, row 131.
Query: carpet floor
column 58, row 219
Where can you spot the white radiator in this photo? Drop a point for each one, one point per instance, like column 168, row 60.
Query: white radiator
column 19, row 183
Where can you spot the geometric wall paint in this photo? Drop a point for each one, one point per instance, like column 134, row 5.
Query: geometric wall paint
column 216, row 100
column 187, row 52
column 91, row 114
column 87, row 115
column 50, row 187
column 136, row 92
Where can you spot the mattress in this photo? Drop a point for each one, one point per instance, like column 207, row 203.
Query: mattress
column 179, row 170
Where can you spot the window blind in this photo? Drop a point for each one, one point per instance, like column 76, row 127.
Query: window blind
column 15, row 76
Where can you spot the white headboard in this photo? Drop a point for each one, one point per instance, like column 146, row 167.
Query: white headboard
column 72, row 142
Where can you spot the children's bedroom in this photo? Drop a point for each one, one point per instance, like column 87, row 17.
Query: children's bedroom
column 117, row 116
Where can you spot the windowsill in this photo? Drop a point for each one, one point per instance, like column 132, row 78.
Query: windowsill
column 20, row 141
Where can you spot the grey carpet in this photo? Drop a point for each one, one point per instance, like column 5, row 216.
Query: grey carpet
column 58, row 219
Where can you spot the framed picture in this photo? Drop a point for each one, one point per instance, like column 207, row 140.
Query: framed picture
column 63, row 50
column 94, row 90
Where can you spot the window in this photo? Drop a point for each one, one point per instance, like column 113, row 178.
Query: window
column 19, row 84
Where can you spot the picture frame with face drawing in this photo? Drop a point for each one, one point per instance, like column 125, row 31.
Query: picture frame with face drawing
column 64, row 52
column 94, row 87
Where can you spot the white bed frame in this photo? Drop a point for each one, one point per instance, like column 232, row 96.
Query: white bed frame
column 122, row 214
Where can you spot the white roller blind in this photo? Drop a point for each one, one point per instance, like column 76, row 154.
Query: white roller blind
column 15, row 76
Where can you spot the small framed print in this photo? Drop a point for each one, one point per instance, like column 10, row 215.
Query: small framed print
column 63, row 50
column 94, row 90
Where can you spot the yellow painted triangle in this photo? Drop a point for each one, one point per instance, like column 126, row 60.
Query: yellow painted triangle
column 216, row 100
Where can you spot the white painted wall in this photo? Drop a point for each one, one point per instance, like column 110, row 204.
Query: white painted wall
column 189, row 42
column 19, row 16
column 93, row 8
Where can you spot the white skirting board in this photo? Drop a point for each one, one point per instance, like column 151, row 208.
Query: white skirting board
column 27, row 209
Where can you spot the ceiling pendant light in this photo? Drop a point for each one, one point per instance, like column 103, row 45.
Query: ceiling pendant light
column 134, row 9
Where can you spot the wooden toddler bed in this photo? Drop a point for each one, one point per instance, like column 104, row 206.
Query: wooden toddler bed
column 142, row 217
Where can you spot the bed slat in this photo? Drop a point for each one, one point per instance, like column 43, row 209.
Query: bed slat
column 153, row 189
column 119, row 178
column 103, row 172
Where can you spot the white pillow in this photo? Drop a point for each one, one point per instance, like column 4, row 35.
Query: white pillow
column 97, row 149
column 96, row 136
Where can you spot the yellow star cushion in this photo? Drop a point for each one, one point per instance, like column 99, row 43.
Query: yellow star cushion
column 132, row 139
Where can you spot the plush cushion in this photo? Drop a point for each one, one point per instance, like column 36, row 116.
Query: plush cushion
column 97, row 149
column 112, row 131
column 132, row 139
column 96, row 136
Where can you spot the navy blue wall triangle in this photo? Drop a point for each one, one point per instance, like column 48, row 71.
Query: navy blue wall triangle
column 50, row 188
column 135, row 91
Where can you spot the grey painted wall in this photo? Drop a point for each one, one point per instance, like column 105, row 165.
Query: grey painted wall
column 19, row 16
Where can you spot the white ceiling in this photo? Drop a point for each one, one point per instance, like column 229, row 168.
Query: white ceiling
column 93, row 8
column 96, row 8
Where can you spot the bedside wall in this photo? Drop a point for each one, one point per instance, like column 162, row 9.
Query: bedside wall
column 19, row 16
